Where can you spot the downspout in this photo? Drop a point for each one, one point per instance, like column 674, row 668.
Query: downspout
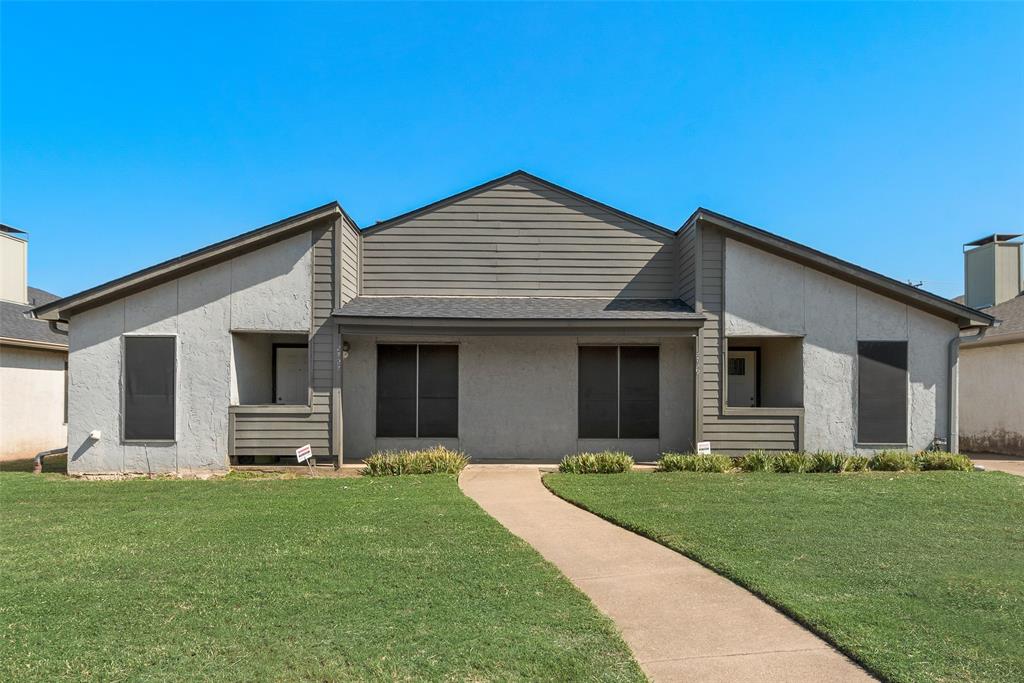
column 953, row 402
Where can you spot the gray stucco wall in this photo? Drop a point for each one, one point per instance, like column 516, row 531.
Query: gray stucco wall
column 268, row 290
column 766, row 295
column 518, row 398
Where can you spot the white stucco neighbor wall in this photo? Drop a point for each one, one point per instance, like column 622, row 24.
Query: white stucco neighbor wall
column 268, row 289
column 767, row 295
column 992, row 398
column 31, row 401
column 518, row 398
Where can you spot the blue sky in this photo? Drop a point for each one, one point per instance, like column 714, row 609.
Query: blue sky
column 887, row 134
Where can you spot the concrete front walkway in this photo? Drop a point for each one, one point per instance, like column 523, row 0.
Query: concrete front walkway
column 1011, row 464
column 682, row 621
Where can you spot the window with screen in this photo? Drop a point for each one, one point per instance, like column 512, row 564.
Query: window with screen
column 882, row 392
column 618, row 392
column 418, row 390
column 149, row 388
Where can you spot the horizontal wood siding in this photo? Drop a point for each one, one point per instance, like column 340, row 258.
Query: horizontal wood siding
column 519, row 239
column 730, row 434
column 686, row 278
column 321, row 342
column 348, row 261
column 279, row 434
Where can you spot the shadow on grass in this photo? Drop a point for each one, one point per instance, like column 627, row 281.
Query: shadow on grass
column 56, row 464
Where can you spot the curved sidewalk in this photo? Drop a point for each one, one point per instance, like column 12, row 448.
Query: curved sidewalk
column 682, row 621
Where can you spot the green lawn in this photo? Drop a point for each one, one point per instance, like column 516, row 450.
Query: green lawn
column 270, row 579
column 920, row 577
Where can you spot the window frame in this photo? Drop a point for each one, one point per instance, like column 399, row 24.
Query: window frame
column 124, row 388
column 417, row 397
column 860, row 443
column 618, row 391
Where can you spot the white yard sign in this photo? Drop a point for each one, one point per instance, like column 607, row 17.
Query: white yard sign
column 304, row 453
column 703, row 446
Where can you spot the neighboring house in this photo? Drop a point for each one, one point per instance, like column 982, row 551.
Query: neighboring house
column 517, row 320
column 33, row 360
column 992, row 366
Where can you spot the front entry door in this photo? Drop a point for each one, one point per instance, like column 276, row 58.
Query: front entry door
column 291, row 373
column 742, row 367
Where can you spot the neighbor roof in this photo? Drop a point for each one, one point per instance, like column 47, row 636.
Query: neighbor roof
column 187, row 263
column 1010, row 315
column 919, row 298
column 19, row 330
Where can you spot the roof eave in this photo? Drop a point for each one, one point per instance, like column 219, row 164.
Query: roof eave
column 964, row 316
column 519, row 326
column 60, row 309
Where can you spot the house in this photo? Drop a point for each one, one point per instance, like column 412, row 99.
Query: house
column 33, row 360
column 992, row 365
column 517, row 320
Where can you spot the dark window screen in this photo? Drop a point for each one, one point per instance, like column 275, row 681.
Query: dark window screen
column 396, row 390
column 598, row 384
column 439, row 391
column 882, row 392
column 638, row 392
column 149, row 388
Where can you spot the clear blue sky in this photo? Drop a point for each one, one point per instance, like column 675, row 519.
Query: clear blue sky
column 887, row 135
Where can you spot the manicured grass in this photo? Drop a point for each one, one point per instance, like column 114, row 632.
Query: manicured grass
column 267, row 579
column 918, row 576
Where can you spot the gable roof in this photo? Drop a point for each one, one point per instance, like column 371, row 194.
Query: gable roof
column 188, row 263
column 876, row 282
column 17, row 329
column 502, row 180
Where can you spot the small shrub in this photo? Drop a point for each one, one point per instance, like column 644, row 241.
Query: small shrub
column 436, row 460
column 757, row 461
column 606, row 462
column 929, row 460
column 702, row 462
column 796, row 463
column 857, row 463
column 827, row 461
column 893, row 461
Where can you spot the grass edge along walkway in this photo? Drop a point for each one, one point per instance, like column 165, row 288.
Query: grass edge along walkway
column 887, row 567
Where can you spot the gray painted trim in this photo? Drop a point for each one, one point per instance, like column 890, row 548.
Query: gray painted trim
column 876, row 282
column 187, row 263
column 459, row 327
column 337, row 422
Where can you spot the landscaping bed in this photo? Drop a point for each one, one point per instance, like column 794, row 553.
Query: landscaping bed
column 273, row 579
column 919, row 576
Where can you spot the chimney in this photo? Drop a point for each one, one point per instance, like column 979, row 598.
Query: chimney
column 992, row 270
column 13, row 265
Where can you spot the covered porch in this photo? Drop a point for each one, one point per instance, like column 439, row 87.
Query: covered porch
column 517, row 379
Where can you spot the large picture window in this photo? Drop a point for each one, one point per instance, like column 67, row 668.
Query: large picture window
column 149, row 388
column 418, row 390
column 618, row 392
column 882, row 392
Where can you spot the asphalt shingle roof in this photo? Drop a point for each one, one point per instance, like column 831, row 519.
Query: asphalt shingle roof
column 517, row 308
column 1011, row 313
column 14, row 324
